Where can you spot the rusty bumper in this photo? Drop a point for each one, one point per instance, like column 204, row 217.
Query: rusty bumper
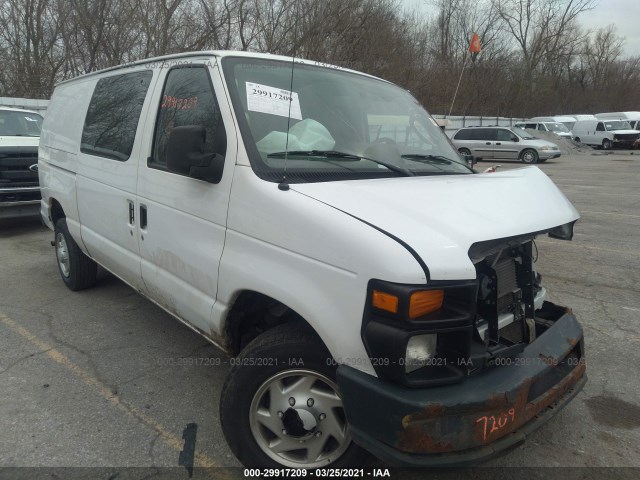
column 472, row 421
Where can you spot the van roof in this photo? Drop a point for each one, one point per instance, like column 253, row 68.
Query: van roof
column 218, row 54
column 619, row 115
column 555, row 119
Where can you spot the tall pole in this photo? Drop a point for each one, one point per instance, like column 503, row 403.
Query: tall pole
column 464, row 64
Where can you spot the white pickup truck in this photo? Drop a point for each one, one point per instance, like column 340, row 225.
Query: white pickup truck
column 377, row 293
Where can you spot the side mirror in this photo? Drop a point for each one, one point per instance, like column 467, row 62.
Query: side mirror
column 514, row 138
column 186, row 155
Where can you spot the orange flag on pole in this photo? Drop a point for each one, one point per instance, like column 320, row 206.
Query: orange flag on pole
column 474, row 46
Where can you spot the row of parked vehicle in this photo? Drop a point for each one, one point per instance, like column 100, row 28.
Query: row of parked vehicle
column 603, row 130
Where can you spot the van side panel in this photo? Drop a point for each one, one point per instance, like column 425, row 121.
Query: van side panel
column 57, row 154
column 62, row 126
column 320, row 271
column 107, row 204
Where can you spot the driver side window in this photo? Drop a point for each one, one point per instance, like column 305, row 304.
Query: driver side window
column 600, row 127
column 187, row 99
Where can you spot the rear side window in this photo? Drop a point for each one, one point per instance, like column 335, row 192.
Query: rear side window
column 486, row 134
column 112, row 118
column 463, row 135
column 188, row 99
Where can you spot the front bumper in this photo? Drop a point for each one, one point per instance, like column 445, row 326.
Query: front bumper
column 472, row 421
column 19, row 202
column 548, row 154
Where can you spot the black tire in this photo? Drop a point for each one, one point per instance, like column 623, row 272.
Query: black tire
column 275, row 350
column 529, row 156
column 577, row 139
column 607, row 144
column 76, row 269
column 464, row 151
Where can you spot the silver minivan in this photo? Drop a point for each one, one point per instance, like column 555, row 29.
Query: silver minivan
column 503, row 143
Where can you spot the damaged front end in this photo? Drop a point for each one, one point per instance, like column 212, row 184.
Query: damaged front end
column 504, row 362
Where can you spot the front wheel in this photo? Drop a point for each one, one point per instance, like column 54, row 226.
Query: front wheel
column 529, row 156
column 280, row 405
column 607, row 144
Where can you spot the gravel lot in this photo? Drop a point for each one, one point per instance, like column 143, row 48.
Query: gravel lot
column 103, row 378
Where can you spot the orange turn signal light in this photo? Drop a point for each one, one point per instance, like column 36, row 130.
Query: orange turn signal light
column 424, row 302
column 385, row 301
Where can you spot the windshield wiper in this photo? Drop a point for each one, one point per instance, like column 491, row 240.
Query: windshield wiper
column 333, row 154
column 432, row 159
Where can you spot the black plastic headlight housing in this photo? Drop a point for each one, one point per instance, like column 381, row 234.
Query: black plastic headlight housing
column 413, row 348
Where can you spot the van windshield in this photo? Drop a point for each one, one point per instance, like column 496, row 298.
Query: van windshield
column 342, row 125
column 557, row 127
column 20, row 124
column 617, row 125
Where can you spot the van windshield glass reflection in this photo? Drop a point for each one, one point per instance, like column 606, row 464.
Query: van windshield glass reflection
column 342, row 125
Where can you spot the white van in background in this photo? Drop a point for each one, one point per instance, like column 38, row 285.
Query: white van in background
column 564, row 119
column 605, row 133
column 551, row 126
column 632, row 117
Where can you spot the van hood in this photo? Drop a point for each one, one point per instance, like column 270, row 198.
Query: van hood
column 624, row 132
column 441, row 217
column 18, row 141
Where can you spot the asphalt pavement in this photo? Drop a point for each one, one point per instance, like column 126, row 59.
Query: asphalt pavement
column 105, row 379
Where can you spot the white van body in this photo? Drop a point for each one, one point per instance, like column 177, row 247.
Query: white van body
column 344, row 260
column 566, row 120
column 557, row 128
column 19, row 138
column 632, row 117
column 605, row 134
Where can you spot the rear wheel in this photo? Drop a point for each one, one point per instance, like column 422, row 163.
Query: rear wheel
column 76, row 269
column 529, row 156
column 280, row 405
column 464, row 151
column 577, row 139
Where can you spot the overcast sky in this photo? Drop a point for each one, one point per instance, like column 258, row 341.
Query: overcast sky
column 624, row 14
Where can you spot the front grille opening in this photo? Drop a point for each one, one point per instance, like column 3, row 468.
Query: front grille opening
column 506, row 289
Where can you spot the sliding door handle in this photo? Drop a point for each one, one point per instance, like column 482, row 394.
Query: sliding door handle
column 143, row 216
column 132, row 213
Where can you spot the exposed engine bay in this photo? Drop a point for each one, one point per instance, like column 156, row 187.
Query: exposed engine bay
column 509, row 292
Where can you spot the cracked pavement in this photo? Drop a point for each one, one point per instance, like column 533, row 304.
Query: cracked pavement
column 104, row 378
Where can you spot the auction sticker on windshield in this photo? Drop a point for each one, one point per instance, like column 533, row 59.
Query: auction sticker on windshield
column 274, row 101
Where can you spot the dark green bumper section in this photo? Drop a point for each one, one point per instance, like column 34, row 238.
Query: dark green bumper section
column 474, row 420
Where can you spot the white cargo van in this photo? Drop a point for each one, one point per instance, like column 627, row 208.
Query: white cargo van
column 316, row 223
column 551, row 126
column 632, row 117
column 605, row 134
